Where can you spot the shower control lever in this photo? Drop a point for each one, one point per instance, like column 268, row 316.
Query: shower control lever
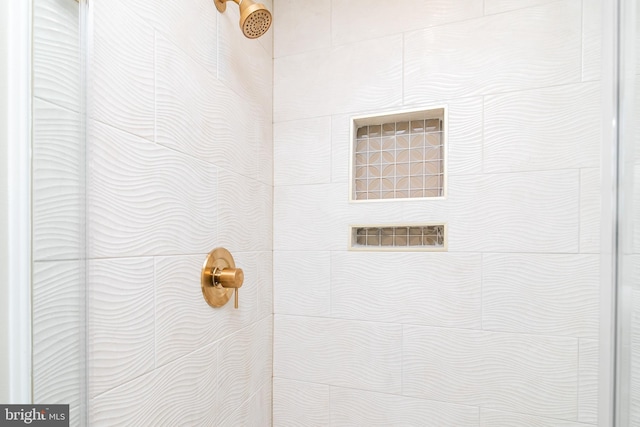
column 229, row 278
column 220, row 278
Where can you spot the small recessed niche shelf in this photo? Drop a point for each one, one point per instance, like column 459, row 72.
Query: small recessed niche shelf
column 399, row 155
column 414, row 237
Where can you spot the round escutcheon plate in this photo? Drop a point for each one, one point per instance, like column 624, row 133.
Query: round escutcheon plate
column 216, row 295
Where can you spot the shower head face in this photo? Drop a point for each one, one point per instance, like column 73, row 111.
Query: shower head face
column 255, row 19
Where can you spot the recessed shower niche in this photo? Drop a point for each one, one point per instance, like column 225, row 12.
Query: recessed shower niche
column 400, row 155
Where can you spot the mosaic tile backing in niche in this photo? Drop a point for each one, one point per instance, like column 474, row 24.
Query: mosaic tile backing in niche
column 430, row 237
column 400, row 159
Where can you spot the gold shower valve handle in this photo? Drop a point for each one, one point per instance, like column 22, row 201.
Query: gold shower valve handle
column 229, row 278
column 220, row 278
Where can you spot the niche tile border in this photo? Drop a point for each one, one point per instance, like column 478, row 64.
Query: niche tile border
column 431, row 237
column 399, row 155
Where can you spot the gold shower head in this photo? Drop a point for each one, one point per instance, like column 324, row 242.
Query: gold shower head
column 255, row 18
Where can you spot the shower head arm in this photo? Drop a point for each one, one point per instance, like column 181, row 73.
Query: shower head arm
column 221, row 5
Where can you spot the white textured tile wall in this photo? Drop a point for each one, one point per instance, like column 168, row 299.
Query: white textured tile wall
column 57, row 197
column 550, row 128
column 297, row 403
column 356, row 407
column 500, row 330
column 499, row 6
column 588, row 380
column 180, row 152
column 364, row 20
column 56, row 54
column 302, row 151
column 58, row 183
column 197, row 115
column 519, row 373
column 491, row 418
column 190, row 24
column 121, row 81
column 472, row 58
column 121, row 322
column 255, row 411
column 514, row 212
column 58, row 344
column 439, row 289
column 300, row 283
column 590, row 195
column 180, row 393
column 592, row 39
column 137, row 199
column 362, row 355
column 541, row 294
column 299, row 31
column 339, row 79
column 244, row 365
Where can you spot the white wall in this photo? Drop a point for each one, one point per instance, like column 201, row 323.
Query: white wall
column 500, row 330
column 179, row 163
column 4, row 203
column 58, row 241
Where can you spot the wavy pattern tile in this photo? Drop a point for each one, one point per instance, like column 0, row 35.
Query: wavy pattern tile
column 590, row 195
column 591, row 39
column 464, row 136
column 244, row 365
column 255, row 411
column 361, row 355
column 58, row 330
column 436, row 289
column 58, row 183
column 301, row 283
column 361, row 408
column 297, row 403
column 523, row 212
column 541, row 294
column 121, row 81
column 521, row 373
column 199, row 116
column 550, row 128
column 245, row 212
column 147, row 200
column 121, row 321
column 302, row 152
column 181, row 393
column 264, row 273
column 295, row 35
column 306, row 73
column 264, row 159
column 491, row 418
column 337, row 80
column 190, row 24
column 341, row 141
column 350, row 23
column 588, row 380
column 298, row 207
column 522, row 49
column 499, row 6
column 56, row 53
column 183, row 319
